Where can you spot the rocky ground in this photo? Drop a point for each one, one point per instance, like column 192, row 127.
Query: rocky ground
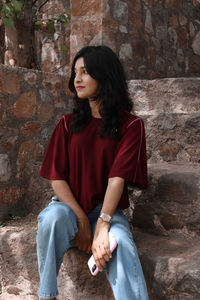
column 18, row 267
column 18, row 271
column 171, row 265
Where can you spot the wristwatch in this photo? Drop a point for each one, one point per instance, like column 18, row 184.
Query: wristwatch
column 105, row 218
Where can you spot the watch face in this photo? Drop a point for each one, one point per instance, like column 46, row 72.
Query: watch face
column 105, row 217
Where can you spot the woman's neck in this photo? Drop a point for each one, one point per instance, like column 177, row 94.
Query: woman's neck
column 94, row 106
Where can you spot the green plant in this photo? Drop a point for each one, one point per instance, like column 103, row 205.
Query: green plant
column 12, row 15
column 49, row 24
column 11, row 9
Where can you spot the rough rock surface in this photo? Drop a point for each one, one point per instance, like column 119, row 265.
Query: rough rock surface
column 31, row 103
column 153, row 38
column 172, row 200
column 171, row 266
column 18, row 267
column 171, row 111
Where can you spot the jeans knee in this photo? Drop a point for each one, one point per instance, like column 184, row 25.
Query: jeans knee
column 57, row 215
column 124, row 238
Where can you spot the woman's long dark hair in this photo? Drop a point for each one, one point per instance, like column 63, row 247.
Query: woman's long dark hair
column 103, row 65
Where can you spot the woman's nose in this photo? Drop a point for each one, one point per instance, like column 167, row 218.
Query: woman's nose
column 77, row 77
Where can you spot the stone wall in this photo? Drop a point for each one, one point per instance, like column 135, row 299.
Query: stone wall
column 31, row 103
column 161, row 38
column 86, row 24
column 153, row 38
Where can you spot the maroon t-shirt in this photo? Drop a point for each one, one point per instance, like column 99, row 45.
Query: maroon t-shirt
column 86, row 161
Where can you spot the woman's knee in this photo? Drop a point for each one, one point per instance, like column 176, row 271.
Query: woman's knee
column 57, row 214
column 123, row 236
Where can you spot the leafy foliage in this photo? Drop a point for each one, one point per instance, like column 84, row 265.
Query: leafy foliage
column 64, row 49
column 49, row 24
column 11, row 9
column 15, row 10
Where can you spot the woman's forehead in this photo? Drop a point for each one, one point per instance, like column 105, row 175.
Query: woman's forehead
column 79, row 63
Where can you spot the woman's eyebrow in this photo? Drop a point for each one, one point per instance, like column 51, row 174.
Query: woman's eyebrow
column 82, row 67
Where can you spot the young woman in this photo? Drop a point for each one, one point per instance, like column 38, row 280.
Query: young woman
column 92, row 154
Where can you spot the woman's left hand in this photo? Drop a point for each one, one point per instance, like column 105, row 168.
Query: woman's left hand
column 101, row 245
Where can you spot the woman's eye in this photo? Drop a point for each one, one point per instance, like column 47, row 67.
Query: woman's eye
column 81, row 72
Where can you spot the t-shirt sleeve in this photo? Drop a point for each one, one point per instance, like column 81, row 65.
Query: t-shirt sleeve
column 130, row 160
column 55, row 163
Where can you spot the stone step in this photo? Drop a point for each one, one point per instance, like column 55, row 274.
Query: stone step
column 166, row 230
column 171, row 264
column 18, row 267
column 173, row 137
column 170, row 108
column 167, row 95
column 172, row 200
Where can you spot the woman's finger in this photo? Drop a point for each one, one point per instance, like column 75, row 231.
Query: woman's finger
column 105, row 253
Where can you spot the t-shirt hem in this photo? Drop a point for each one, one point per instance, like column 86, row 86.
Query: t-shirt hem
column 52, row 177
column 118, row 174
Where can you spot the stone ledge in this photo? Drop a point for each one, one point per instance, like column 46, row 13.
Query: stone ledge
column 167, row 95
column 18, row 267
column 169, row 209
column 171, row 111
column 171, row 264
column 173, row 137
column 172, row 200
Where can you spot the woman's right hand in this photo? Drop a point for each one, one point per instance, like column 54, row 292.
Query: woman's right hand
column 84, row 235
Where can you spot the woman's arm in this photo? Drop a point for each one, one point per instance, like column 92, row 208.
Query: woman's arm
column 113, row 194
column 100, row 245
column 64, row 194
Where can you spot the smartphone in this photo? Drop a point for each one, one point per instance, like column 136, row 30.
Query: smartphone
column 91, row 262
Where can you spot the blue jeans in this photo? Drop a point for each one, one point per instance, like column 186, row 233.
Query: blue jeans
column 57, row 228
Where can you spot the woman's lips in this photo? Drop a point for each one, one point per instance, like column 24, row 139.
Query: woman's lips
column 79, row 87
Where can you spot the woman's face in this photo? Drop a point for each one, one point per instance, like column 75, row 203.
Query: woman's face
column 85, row 85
